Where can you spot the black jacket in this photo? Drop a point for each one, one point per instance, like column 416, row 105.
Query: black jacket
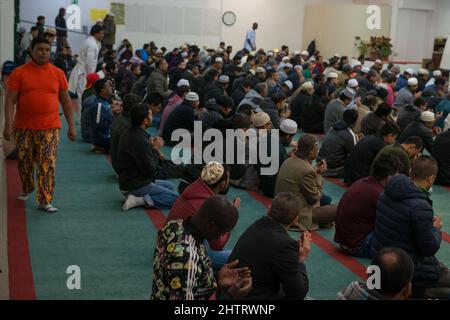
column 272, row 256
column 419, row 129
column 137, row 161
column 405, row 220
column 60, row 24
column 360, row 159
column 337, row 145
column 407, row 115
column 371, row 123
column 441, row 152
column 182, row 117
column 297, row 106
column 312, row 115
column 269, row 107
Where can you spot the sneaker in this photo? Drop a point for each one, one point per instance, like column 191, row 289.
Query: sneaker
column 133, row 202
column 49, row 208
column 23, row 196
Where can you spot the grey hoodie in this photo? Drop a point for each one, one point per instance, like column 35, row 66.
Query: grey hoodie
column 252, row 98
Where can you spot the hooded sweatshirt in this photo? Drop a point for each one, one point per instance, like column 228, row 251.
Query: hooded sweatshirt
column 338, row 144
column 190, row 202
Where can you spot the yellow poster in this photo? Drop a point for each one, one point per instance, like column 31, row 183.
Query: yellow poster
column 98, row 14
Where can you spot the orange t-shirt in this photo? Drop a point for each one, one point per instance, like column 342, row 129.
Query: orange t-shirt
column 38, row 90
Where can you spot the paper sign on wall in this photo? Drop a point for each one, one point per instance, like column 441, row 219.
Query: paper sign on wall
column 98, row 14
column 119, row 13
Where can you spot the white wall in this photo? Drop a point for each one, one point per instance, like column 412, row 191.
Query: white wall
column 6, row 30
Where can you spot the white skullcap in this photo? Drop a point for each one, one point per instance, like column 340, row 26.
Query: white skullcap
column 184, row 54
column 212, row 172
column 357, row 64
column 218, row 59
column 313, row 59
column 289, row 84
column 297, row 52
column 224, row 79
column 353, row 83
column 349, row 93
column 412, row 81
column 378, row 61
column 183, row 82
column 365, row 69
column 427, row 116
column 423, row 71
column 270, row 54
column 285, row 59
column 332, row 75
column 288, row 65
column 192, row 96
column 306, row 86
column 289, row 126
column 260, row 70
column 410, row 71
column 305, row 53
column 437, row 73
column 337, row 55
column 298, row 67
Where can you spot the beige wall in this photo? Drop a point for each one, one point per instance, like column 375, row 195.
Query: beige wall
column 335, row 27
column 6, row 30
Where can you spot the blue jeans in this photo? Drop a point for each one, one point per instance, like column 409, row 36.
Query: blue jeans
column 160, row 193
column 365, row 249
column 218, row 258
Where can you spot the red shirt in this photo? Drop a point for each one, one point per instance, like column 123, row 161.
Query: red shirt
column 356, row 212
column 38, row 89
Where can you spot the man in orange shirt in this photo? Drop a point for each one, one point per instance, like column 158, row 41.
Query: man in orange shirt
column 36, row 89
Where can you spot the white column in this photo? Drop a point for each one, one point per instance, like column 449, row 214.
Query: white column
column 6, row 30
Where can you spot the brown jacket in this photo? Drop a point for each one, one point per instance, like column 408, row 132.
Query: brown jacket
column 299, row 177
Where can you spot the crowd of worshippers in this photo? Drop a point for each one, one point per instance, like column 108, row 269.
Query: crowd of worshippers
column 376, row 122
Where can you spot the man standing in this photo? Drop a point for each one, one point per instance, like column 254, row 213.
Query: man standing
column 41, row 25
column 37, row 88
column 87, row 63
column 61, row 29
column 250, row 38
column 110, row 32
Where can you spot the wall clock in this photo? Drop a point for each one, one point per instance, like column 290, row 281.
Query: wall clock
column 229, row 18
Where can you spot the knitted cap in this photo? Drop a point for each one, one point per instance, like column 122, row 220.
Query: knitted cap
column 212, row 172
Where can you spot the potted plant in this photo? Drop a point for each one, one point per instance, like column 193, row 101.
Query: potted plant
column 363, row 48
column 380, row 47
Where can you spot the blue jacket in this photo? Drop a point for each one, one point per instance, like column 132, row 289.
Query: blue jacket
column 101, row 119
column 405, row 220
column 443, row 107
column 401, row 82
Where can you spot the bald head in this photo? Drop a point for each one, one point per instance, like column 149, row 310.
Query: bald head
column 216, row 216
column 397, row 269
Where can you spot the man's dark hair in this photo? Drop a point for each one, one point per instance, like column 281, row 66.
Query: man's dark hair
column 130, row 101
column 158, row 62
column 350, row 116
column 321, row 91
column 306, row 144
column 246, row 109
column 278, row 97
column 39, row 40
column 241, row 120
column 260, row 87
column 397, row 269
column 372, row 73
column 62, row 10
column 181, row 91
column 391, row 78
column 423, row 167
column 419, row 102
column 285, row 208
column 415, row 141
column 383, row 110
column 370, row 101
column 146, row 46
column 110, row 66
column 385, row 165
column 225, row 102
column 154, row 99
column 139, row 113
column 439, row 81
column 390, row 128
column 96, row 29
column 40, row 18
column 247, row 83
column 99, row 85
column 34, row 28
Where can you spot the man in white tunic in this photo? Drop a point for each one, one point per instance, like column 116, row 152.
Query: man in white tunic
column 250, row 38
column 86, row 64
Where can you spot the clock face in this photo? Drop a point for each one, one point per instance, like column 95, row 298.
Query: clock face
column 229, row 18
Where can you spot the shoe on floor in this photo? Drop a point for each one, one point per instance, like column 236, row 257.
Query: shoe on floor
column 23, row 196
column 133, row 202
column 49, row 208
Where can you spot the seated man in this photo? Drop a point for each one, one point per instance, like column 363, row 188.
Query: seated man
column 181, row 265
column 355, row 217
column 406, row 152
column 297, row 175
column 288, row 129
column 396, row 268
column 405, row 219
column 214, row 179
column 182, row 117
column 137, row 165
column 422, row 128
column 441, row 153
column 276, row 259
column 338, row 143
column 215, row 111
column 122, row 123
column 364, row 153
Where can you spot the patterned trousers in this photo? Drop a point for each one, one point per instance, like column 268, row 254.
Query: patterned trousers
column 36, row 150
